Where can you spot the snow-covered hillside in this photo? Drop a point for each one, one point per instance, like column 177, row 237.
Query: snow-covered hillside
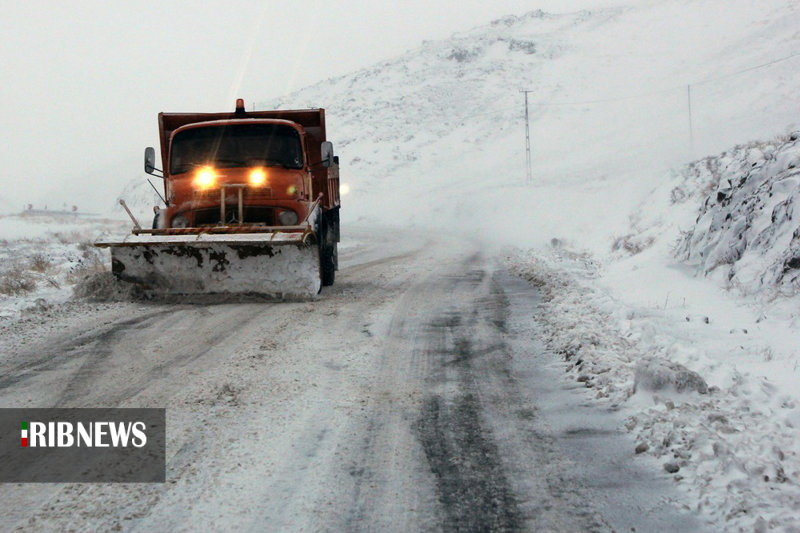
column 436, row 135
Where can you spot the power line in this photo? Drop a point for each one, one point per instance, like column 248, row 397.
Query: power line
column 528, row 162
column 671, row 89
column 709, row 80
column 641, row 95
column 635, row 96
column 604, row 100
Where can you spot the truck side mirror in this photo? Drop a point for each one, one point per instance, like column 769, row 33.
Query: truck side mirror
column 149, row 159
column 326, row 150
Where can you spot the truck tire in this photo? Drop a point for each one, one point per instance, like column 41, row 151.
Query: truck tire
column 327, row 254
column 327, row 260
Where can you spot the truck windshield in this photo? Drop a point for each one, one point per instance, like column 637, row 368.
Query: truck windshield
column 239, row 145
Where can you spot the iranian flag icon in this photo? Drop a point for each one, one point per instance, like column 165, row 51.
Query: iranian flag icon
column 24, row 435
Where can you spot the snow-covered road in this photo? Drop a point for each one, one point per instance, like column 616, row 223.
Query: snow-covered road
column 410, row 397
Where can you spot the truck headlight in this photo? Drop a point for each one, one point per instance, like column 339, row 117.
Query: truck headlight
column 287, row 218
column 205, row 177
column 180, row 221
column 258, row 177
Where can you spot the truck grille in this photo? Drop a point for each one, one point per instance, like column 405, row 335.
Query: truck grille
column 252, row 215
column 250, row 193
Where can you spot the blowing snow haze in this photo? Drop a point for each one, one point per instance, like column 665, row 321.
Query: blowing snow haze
column 83, row 81
column 83, row 99
column 437, row 133
column 609, row 113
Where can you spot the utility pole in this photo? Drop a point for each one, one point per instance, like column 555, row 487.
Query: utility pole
column 528, row 174
column 691, row 122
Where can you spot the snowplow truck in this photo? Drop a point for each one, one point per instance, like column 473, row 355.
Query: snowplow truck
column 251, row 207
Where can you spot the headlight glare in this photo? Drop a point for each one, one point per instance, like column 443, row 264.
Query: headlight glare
column 205, row 177
column 258, row 177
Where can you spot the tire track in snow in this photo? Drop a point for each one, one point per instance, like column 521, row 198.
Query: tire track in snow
column 99, row 364
column 494, row 470
column 65, row 350
column 472, row 484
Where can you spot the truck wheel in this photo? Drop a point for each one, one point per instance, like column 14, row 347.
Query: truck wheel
column 327, row 260
column 327, row 254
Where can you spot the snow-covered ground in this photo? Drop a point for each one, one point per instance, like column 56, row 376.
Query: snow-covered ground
column 43, row 256
column 405, row 399
column 700, row 385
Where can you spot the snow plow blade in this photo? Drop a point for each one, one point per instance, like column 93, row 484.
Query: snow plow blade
column 281, row 265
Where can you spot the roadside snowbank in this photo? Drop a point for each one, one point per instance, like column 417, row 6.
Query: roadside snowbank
column 689, row 325
column 42, row 257
column 726, row 434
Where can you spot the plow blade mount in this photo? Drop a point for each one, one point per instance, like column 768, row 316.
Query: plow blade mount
column 282, row 265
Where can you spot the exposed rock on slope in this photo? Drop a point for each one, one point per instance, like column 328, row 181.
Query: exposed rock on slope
column 749, row 224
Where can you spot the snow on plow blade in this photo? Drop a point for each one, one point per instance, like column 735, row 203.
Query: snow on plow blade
column 276, row 264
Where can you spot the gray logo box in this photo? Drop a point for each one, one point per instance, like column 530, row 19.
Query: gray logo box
column 80, row 464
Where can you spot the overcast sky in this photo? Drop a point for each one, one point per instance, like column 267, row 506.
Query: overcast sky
column 83, row 81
